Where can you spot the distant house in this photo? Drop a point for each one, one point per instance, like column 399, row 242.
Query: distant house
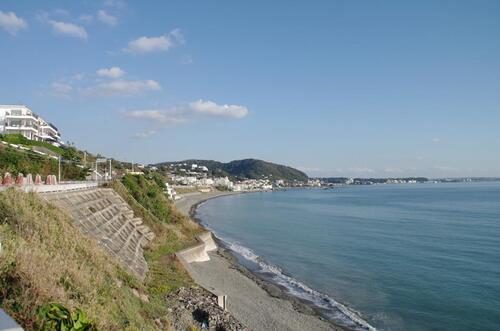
column 18, row 119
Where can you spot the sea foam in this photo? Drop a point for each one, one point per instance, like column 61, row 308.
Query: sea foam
column 335, row 311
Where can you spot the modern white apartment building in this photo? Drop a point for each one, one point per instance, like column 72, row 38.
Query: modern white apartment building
column 22, row 120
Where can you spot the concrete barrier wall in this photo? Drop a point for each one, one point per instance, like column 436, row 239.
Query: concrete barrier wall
column 207, row 238
column 197, row 253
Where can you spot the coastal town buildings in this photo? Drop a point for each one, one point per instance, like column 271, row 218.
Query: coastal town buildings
column 19, row 119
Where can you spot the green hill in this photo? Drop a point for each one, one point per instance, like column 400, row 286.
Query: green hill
column 247, row 168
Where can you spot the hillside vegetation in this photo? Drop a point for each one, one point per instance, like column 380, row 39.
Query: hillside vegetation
column 45, row 261
column 248, row 168
column 27, row 162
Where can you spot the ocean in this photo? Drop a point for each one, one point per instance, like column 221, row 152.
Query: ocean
column 390, row 257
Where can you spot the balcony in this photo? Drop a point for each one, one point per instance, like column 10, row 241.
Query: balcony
column 21, row 117
column 13, row 127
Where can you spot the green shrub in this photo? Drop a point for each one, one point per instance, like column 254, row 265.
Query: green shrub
column 19, row 139
column 55, row 316
column 16, row 161
column 149, row 194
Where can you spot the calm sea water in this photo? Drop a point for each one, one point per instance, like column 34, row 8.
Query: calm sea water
column 406, row 257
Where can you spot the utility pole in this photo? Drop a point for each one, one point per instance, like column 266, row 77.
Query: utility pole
column 110, row 170
column 59, row 172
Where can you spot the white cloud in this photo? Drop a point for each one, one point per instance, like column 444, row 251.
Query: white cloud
column 106, row 18
column 62, row 89
column 163, row 43
column 211, row 108
column 115, row 3
column 60, row 12
column 78, row 77
column 113, row 72
column 159, row 118
column 436, row 140
column 92, row 85
column 11, row 23
column 86, row 18
column 121, row 87
column 167, row 116
column 145, row 134
column 69, row 29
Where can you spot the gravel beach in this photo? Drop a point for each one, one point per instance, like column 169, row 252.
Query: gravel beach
column 257, row 304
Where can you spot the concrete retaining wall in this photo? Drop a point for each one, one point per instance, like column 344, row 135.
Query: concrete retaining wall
column 198, row 252
column 101, row 214
column 207, row 238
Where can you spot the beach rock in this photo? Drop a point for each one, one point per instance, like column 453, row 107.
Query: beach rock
column 197, row 307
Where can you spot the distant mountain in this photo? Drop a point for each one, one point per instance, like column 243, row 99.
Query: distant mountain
column 247, row 168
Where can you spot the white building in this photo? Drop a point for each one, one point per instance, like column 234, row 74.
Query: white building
column 18, row 119
column 224, row 182
column 172, row 195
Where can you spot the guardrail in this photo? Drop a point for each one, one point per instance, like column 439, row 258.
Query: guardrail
column 61, row 187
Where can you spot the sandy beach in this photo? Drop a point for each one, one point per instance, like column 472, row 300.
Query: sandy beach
column 254, row 302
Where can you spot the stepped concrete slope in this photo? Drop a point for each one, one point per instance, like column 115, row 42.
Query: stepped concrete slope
column 104, row 216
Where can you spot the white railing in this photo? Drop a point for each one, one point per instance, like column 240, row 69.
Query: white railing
column 61, row 187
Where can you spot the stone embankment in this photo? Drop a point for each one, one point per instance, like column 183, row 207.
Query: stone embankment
column 104, row 216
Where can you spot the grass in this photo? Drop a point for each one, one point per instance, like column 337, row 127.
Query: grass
column 173, row 232
column 45, row 259
column 187, row 189
column 149, row 194
column 19, row 139
column 27, row 162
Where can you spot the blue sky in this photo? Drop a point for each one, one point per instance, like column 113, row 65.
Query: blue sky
column 337, row 88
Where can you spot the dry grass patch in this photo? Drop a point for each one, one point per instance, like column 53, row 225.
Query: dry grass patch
column 45, row 259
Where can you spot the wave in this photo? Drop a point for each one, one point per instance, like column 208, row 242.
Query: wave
column 334, row 309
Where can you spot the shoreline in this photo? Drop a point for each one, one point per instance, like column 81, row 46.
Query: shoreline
column 303, row 309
